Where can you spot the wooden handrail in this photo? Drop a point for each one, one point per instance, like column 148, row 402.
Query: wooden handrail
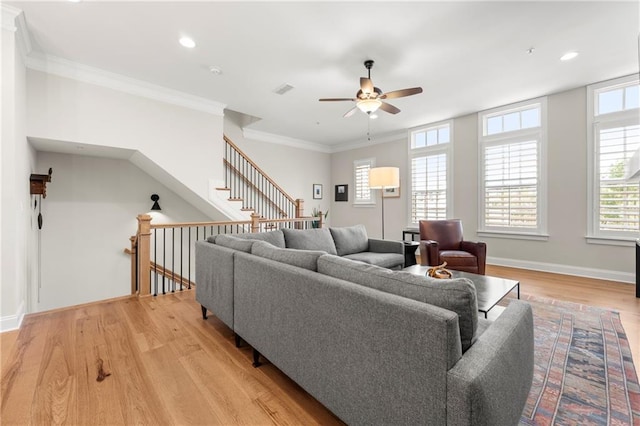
column 255, row 188
column 195, row 224
column 248, row 160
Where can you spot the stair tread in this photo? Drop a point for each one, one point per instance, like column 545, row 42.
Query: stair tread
column 223, row 189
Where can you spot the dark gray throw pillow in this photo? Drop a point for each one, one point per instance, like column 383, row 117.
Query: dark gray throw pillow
column 307, row 259
column 275, row 238
column 234, row 243
column 350, row 239
column 310, row 239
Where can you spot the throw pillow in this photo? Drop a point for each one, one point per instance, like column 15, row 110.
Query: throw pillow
column 457, row 295
column 234, row 243
column 310, row 239
column 350, row 240
column 306, row 259
column 275, row 238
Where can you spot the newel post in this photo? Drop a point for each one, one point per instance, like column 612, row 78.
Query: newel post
column 144, row 255
column 299, row 207
column 255, row 222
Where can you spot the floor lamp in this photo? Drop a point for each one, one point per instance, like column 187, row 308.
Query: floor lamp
column 384, row 178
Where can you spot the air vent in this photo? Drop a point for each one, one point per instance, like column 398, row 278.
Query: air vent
column 281, row 90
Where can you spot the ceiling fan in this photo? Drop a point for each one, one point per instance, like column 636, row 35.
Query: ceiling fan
column 370, row 98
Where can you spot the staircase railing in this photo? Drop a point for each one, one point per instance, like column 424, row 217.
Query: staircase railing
column 163, row 255
column 246, row 182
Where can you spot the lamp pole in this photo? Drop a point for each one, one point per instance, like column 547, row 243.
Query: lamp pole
column 382, row 202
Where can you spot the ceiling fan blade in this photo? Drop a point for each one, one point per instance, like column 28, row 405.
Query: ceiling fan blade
column 401, row 93
column 366, row 85
column 389, row 108
column 337, row 99
column 350, row 112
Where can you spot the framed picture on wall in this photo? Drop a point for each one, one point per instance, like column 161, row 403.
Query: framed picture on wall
column 391, row 192
column 342, row 192
column 317, row 191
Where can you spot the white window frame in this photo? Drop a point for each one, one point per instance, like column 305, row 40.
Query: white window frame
column 540, row 134
column 594, row 123
column 446, row 149
column 363, row 202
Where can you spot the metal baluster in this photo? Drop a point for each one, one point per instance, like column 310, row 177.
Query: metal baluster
column 155, row 259
column 173, row 259
column 181, row 254
column 189, row 265
column 164, row 258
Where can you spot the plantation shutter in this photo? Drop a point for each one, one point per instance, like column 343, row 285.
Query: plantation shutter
column 361, row 178
column 618, row 205
column 429, row 187
column 511, row 185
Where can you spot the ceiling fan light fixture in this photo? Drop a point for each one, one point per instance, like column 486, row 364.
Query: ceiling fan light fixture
column 368, row 105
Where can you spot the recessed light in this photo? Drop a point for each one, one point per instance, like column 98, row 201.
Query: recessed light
column 74, row 1
column 215, row 70
column 187, row 42
column 568, row 56
column 373, row 116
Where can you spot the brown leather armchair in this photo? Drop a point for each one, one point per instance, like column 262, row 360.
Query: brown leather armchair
column 441, row 241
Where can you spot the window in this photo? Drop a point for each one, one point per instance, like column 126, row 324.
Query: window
column 430, row 154
column 512, row 181
column 614, row 136
column 362, row 193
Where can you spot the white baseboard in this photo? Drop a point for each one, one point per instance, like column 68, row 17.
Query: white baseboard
column 601, row 274
column 12, row 322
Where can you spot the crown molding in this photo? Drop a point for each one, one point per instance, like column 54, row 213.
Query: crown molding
column 87, row 74
column 284, row 140
column 375, row 140
column 13, row 20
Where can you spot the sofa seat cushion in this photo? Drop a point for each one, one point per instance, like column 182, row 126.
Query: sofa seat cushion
column 310, row 239
column 350, row 239
column 457, row 295
column 307, row 259
column 458, row 258
column 275, row 238
column 385, row 260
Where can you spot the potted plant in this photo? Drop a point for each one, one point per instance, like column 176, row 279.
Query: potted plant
column 317, row 213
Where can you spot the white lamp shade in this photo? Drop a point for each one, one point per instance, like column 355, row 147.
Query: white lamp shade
column 384, row 177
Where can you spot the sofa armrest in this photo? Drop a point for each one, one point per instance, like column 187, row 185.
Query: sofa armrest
column 479, row 250
column 429, row 253
column 385, row 246
column 489, row 385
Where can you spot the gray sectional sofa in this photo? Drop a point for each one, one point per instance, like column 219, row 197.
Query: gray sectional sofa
column 375, row 346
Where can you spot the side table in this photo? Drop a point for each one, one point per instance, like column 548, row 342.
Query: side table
column 410, row 248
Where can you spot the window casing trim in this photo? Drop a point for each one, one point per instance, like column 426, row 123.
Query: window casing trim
column 508, row 137
column 446, row 148
column 594, row 123
column 371, row 162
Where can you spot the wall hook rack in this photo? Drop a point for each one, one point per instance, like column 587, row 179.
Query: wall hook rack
column 38, row 186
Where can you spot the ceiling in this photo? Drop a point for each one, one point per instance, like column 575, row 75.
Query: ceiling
column 467, row 56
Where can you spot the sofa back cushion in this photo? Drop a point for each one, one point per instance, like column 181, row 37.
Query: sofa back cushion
column 275, row 238
column 307, row 259
column 457, row 295
column 234, row 243
column 350, row 239
column 310, row 239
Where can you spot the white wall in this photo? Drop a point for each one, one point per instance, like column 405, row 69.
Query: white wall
column 295, row 170
column 17, row 162
column 566, row 250
column 182, row 142
column 88, row 216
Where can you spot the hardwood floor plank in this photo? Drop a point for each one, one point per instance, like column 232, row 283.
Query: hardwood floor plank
column 55, row 398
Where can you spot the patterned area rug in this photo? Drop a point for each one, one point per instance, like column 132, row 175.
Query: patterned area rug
column 584, row 373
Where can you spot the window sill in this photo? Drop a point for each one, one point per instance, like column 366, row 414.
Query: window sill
column 611, row 241
column 364, row 205
column 514, row 235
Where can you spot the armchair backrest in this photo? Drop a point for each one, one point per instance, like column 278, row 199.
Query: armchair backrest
column 448, row 233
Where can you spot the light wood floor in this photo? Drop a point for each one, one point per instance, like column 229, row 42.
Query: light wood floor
column 155, row 361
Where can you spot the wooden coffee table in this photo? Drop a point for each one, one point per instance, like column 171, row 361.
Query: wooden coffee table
column 489, row 290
